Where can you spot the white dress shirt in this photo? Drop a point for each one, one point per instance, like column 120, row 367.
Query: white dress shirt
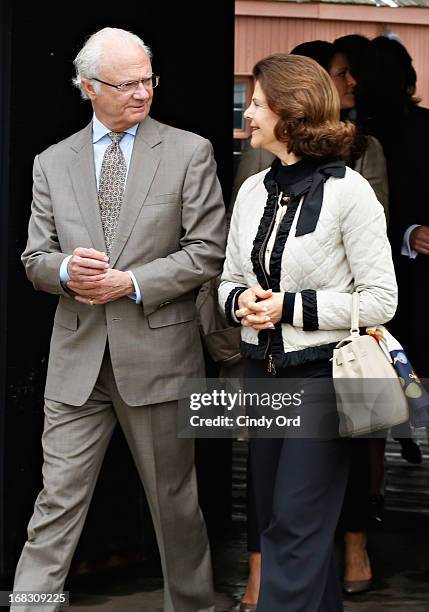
column 101, row 141
column 406, row 247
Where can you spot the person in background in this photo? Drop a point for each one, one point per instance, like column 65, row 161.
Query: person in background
column 304, row 218
column 361, row 55
column 352, row 65
column 402, row 126
column 125, row 264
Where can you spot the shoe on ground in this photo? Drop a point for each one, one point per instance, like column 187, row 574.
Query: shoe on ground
column 353, row 587
column 244, row 607
column 410, row 450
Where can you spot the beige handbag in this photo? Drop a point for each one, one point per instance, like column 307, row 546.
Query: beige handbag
column 369, row 394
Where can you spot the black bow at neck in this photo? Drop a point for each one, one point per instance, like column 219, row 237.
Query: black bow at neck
column 306, row 179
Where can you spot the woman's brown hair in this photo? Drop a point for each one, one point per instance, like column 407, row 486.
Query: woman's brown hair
column 304, row 97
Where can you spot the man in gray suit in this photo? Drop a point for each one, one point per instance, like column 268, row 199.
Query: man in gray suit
column 127, row 222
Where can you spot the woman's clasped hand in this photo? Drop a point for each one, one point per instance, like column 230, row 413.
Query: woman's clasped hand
column 260, row 308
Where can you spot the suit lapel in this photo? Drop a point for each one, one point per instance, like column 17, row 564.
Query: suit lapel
column 144, row 163
column 82, row 173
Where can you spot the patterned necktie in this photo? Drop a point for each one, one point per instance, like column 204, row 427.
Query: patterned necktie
column 111, row 188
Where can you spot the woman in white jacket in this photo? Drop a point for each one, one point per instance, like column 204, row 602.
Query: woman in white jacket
column 304, row 235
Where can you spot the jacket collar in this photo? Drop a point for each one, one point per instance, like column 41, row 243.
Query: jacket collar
column 311, row 187
column 143, row 165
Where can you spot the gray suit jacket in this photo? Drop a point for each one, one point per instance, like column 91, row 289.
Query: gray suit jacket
column 171, row 235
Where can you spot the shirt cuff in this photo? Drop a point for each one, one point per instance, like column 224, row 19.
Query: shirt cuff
column 136, row 296
column 406, row 249
column 64, row 275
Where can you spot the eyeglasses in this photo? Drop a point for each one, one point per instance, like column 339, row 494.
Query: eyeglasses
column 130, row 87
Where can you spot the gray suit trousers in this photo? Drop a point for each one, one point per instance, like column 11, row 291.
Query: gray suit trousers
column 75, row 440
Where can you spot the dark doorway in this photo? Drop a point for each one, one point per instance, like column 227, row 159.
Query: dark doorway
column 193, row 53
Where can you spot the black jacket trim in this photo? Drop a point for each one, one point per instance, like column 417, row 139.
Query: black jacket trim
column 309, row 310
column 311, row 188
column 288, row 307
column 279, row 244
column 310, row 211
column 265, row 228
column 292, row 358
column 231, row 303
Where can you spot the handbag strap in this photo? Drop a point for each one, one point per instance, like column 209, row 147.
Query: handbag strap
column 354, row 331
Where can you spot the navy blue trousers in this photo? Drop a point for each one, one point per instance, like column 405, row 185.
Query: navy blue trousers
column 298, row 487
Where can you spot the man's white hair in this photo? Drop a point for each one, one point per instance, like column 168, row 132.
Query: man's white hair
column 87, row 61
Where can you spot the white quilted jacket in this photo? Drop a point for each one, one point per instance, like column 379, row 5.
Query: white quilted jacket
column 348, row 251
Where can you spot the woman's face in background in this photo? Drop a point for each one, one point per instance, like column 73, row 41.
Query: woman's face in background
column 343, row 80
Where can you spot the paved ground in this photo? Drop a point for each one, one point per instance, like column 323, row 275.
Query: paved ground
column 398, row 550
